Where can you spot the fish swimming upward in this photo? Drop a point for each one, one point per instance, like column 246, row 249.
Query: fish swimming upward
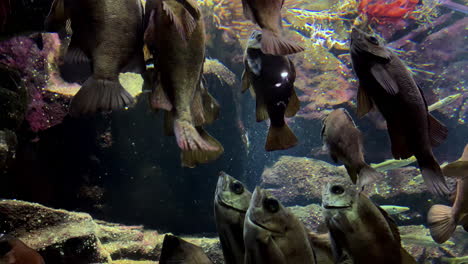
column 359, row 228
column 267, row 14
column 230, row 206
column 344, row 142
column 442, row 220
column 108, row 35
column 14, row 251
column 176, row 35
column 272, row 79
column 273, row 235
column 385, row 82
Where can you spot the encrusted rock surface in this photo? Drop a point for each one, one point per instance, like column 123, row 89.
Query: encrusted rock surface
column 297, row 180
column 69, row 237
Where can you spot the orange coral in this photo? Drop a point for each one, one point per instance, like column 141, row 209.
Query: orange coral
column 383, row 11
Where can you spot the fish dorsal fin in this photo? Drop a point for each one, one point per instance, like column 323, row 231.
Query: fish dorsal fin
column 384, row 78
column 364, row 103
column 349, row 116
column 437, row 131
column 192, row 7
column 185, row 24
column 391, row 223
column 248, row 11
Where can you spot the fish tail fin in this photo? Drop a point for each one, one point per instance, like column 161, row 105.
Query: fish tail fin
column 189, row 138
column 368, row 175
column 273, row 43
column 441, row 222
column 433, row 176
column 99, row 95
column 190, row 158
column 280, row 138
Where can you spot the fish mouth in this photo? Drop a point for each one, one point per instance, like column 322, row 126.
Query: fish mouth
column 264, row 227
column 229, row 206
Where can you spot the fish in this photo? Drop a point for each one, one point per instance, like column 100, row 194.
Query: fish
column 272, row 234
column 392, row 164
column 385, row 82
column 107, row 36
column 177, row 250
column 394, row 209
column 272, row 79
column 231, row 202
column 343, row 140
column 175, row 33
column 442, row 220
column 14, row 251
column 359, row 228
column 444, row 102
column 267, row 15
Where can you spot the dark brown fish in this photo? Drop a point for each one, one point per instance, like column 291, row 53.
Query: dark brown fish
column 177, row 250
column 386, row 83
column 359, row 228
column 108, row 35
column 443, row 220
column 14, row 251
column 344, row 142
column 272, row 78
column 230, row 206
column 267, row 14
column 273, row 235
column 176, row 36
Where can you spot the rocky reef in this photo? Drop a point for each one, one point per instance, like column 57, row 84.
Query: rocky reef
column 70, row 237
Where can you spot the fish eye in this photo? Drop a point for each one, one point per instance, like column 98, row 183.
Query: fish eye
column 374, row 40
column 337, row 189
column 271, row 205
column 237, row 187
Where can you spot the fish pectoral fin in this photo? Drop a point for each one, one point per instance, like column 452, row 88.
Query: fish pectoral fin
column 57, row 17
column 437, row 131
column 293, row 106
column 159, row 98
column 261, row 109
column 211, row 107
column 457, row 169
column 364, row 103
column 406, row 258
column 245, row 80
column 384, row 79
column 193, row 157
column 75, row 55
column 192, row 7
column 185, row 24
column 441, row 222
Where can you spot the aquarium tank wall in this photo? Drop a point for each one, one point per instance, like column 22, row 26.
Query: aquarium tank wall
column 233, row 131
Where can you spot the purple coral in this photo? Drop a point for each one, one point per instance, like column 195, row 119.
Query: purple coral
column 22, row 54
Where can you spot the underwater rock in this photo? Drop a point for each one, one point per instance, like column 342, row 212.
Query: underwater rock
column 310, row 215
column 296, row 180
column 58, row 235
column 69, row 237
